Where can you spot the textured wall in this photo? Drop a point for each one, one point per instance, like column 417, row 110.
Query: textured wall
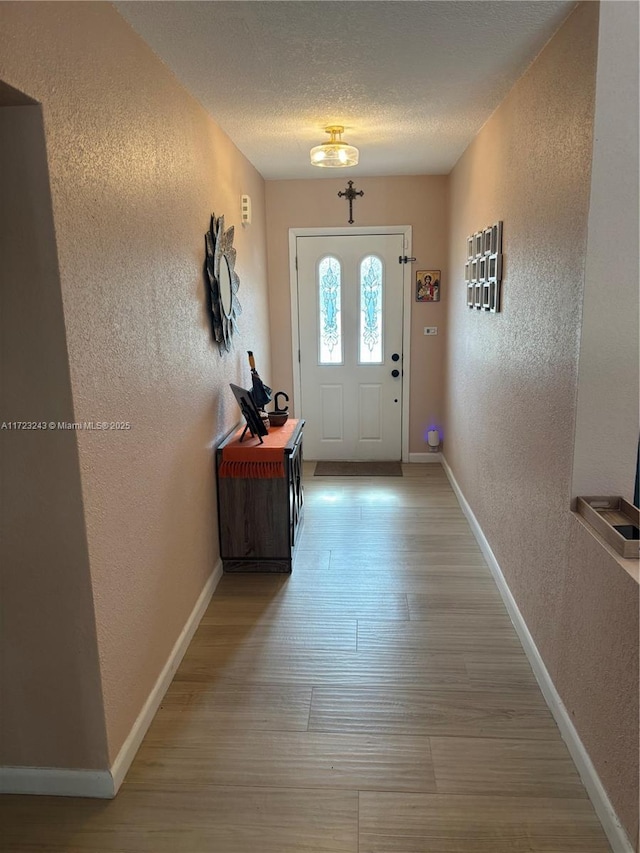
column 596, row 664
column 608, row 378
column 49, row 679
column 136, row 168
column 512, row 382
column 419, row 201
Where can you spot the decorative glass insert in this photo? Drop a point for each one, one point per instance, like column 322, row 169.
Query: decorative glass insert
column 371, row 310
column 329, row 290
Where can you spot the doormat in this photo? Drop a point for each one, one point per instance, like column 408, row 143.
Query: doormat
column 358, row 469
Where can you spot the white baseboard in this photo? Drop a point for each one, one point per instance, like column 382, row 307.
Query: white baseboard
column 56, row 782
column 132, row 743
column 104, row 784
column 613, row 829
column 425, row 457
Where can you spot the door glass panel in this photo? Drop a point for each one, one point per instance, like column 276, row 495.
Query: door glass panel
column 330, row 314
column 371, row 310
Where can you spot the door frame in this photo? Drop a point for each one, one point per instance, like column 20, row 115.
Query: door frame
column 407, row 292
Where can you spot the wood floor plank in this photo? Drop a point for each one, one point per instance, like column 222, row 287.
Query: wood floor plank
column 451, row 584
column 269, row 584
column 457, row 593
column 327, row 515
column 536, row 768
column 189, row 708
column 453, row 631
column 393, row 514
column 330, row 634
column 327, row 523
column 289, row 760
column 395, row 577
column 422, row 605
column 489, row 672
column 314, row 668
column 402, row 844
column 197, row 820
column 368, row 494
column 445, row 823
column 392, row 559
column 450, row 712
column 318, row 557
column 373, row 540
column 292, row 603
column 425, row 472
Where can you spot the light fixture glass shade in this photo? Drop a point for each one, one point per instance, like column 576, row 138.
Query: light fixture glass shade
column 335, row 153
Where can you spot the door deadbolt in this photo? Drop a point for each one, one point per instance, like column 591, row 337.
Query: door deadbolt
column 395, row 357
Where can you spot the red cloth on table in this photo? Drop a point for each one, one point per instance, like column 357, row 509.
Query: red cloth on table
column 252, row 460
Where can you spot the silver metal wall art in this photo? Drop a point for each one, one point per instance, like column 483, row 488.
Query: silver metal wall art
column 223, row 282
column 483, row 269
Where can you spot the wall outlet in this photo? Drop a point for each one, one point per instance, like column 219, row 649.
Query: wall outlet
column 431, row 330
column 245, row 205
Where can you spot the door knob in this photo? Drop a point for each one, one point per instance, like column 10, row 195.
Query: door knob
column 395, row 357
column 395, row 373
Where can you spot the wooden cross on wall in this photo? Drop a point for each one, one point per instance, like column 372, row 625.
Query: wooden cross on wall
column 350, row 194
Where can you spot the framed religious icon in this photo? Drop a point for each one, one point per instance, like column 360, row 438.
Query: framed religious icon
column 428, row 286
column 250, row 411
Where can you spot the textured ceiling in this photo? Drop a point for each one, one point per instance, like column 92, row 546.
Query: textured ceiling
column 412, row 82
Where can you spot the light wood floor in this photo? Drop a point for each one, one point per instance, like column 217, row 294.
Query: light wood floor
column 375, row 701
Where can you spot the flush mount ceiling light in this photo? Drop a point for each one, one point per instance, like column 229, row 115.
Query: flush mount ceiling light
column 335, row 153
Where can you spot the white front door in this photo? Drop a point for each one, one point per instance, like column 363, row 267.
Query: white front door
column 350, row 310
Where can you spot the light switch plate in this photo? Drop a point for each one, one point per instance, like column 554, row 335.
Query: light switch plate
column 431, row 330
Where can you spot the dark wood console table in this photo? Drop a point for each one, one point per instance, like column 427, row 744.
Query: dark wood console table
column 260, row 499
